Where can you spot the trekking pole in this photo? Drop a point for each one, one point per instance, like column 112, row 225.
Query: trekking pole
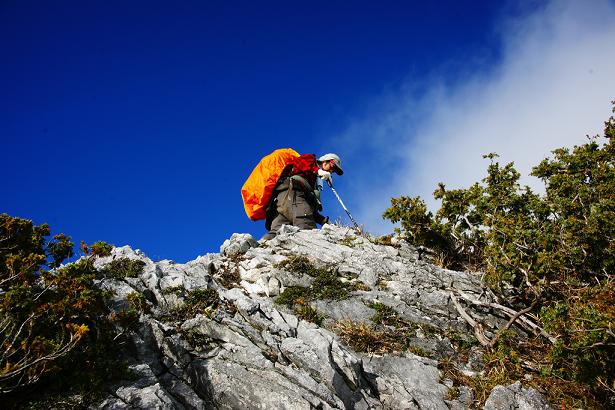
column 343, row 206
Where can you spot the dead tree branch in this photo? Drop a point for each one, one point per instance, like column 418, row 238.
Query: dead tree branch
column 520, row 317
column 512, row 320
column 477, row 327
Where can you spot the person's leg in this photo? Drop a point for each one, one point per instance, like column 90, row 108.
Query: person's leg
column 276, row 224
column 303, row 213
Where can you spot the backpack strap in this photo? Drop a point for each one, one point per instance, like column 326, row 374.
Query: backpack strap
column 301, row 183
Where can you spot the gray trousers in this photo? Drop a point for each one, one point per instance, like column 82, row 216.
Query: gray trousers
column 294, row 209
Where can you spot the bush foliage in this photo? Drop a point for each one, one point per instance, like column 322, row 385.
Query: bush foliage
column 554, row 251
column 54, row 321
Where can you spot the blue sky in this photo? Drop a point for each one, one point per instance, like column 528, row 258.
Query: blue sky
column 137, row 122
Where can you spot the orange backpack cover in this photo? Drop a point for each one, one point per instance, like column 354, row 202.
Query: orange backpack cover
column 259, row 186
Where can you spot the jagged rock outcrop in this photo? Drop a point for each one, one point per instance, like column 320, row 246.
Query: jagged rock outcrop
column 244, row 351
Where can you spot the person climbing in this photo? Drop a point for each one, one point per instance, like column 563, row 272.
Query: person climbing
column 296, row 197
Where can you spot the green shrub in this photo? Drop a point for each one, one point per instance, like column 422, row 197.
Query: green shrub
column 291, row 294
column 297, row 298
column 197, row 301
column 57, row 332
column 123, row 268
column 584, row 350
column 301, row 265
column 138, row 302
column 326, row 285
column 386, row 315
column 101, row 249
column 306, row 312
column 200, row 299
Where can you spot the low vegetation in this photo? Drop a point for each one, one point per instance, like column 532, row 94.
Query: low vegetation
column 197, row 301
column 326, row 285
column 99, row 248
column 386, row 240
column 138, row 302
column 301, row 265
column 388, row 333
column 228, row 275
column 123, row 268
column 362, row 337
column 58, row 334
column 306, row 312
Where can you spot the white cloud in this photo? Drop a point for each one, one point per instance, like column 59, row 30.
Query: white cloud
column 552, row 86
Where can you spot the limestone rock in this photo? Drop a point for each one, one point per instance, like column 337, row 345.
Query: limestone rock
column 239, row 243
column 516, row 397
column 249, row 352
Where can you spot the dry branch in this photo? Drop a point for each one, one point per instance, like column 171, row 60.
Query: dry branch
column 512, row 320
column 529, row 324
column 477, row 327
column 21, row 370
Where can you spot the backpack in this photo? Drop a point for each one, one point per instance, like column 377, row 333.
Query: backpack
column 256, row 191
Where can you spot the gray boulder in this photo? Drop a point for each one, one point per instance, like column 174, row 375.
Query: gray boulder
column 516, row 397
column 238, row 244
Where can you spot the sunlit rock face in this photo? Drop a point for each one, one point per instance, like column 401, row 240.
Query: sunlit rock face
column 239, row 349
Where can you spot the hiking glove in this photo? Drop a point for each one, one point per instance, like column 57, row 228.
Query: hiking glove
column 324, row 175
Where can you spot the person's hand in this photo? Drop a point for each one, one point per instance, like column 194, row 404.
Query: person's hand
column 324, row 175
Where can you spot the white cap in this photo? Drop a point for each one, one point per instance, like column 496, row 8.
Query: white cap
column 336, row 158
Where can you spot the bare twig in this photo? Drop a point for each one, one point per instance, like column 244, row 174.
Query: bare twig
column 477, row 327
column 597, row 344
column 21, row 370
column 43, row 291
column 606, row 386
column 511, row 312
column 8, row 279
column 512, row 320
column 7, row 349
column 470, row 224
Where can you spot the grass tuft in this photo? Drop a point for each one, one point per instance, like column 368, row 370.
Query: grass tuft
column 123, row 268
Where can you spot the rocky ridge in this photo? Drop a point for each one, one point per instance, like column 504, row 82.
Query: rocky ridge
column 245, row 351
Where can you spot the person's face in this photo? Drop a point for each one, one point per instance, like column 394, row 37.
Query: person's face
column 328, row 165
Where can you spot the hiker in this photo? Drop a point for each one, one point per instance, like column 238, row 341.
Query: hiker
column 296, row 197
